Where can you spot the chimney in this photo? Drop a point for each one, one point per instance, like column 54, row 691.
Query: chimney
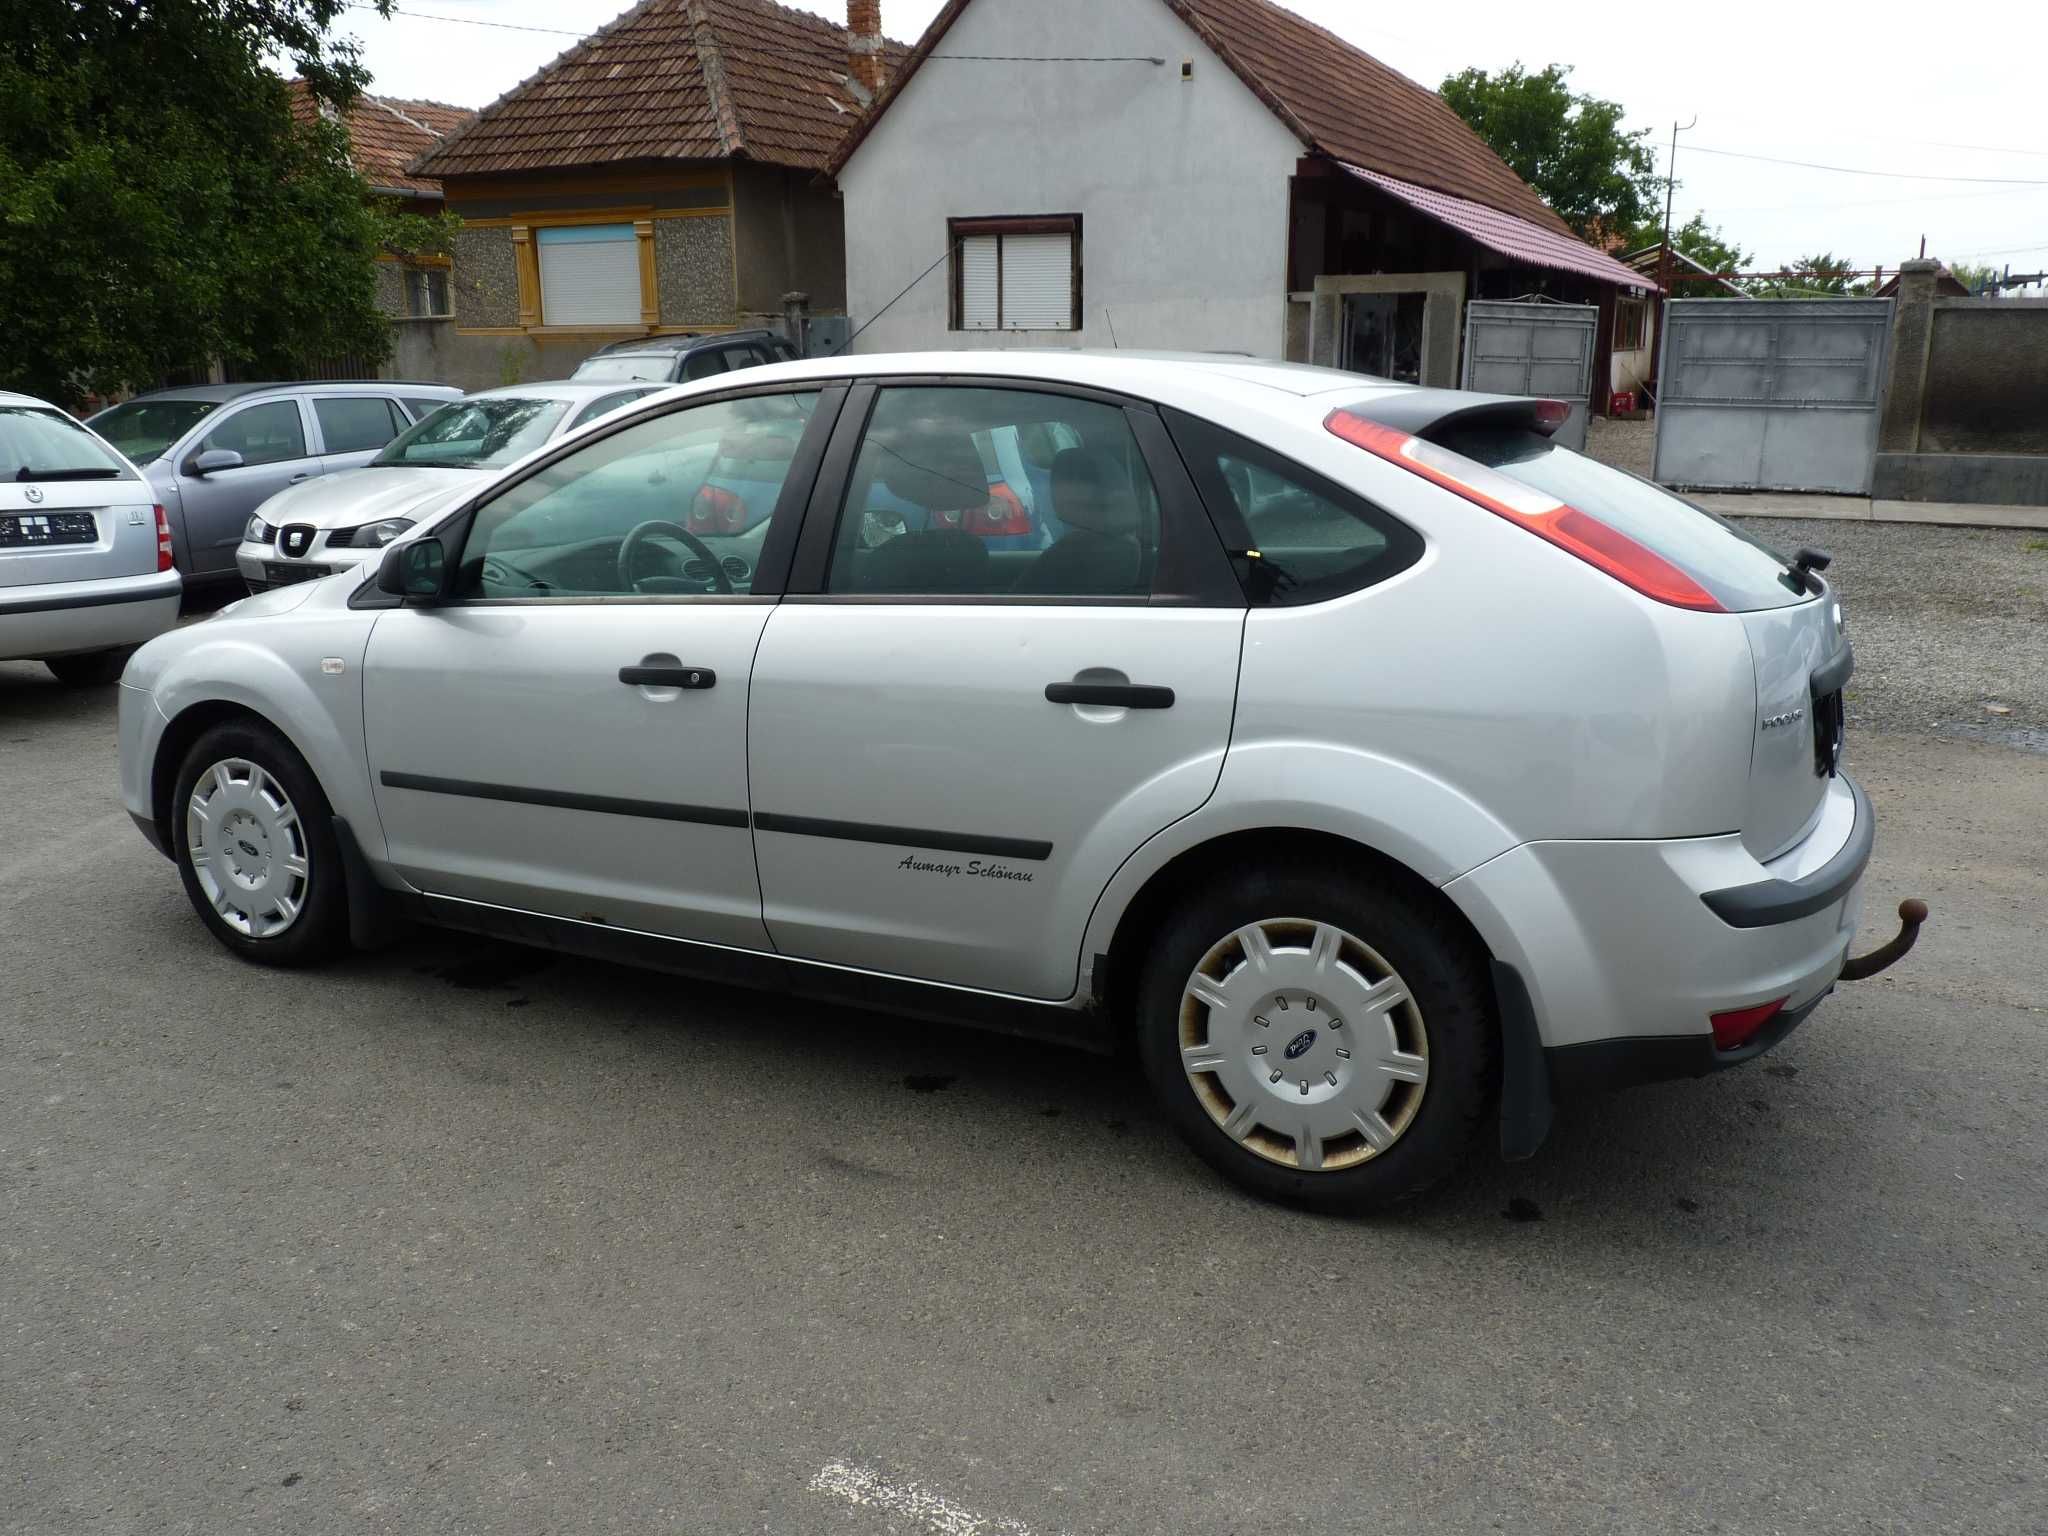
column 864, row 44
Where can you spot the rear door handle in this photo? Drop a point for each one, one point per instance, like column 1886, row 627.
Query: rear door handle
column 295, row 479
column 668, row 677
column 1114, row 695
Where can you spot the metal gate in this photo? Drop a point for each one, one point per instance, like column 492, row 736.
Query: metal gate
column 1544, row 350
column 1771, row 394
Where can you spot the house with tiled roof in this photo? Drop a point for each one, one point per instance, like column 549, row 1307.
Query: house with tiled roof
column 1213, row 174
column 665, row 175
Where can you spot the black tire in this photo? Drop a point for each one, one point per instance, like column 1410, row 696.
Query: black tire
column 320, row 929
column 1445, row 971
column 94, row 669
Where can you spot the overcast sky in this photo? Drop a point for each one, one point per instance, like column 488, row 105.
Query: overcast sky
column 1909, row 90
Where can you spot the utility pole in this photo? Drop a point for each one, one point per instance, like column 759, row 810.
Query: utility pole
column 1670, row 190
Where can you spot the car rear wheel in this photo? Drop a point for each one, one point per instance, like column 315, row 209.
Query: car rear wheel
column 94, row 669
column 254, row 840
column 1320, row 1037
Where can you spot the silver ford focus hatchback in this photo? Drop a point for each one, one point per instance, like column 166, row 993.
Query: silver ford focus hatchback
column 1381, row 771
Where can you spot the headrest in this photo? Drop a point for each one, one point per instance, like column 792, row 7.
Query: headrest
column 1089, row 491
column 937, row 472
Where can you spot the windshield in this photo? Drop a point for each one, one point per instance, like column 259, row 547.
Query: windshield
column 476, row 434
column 145, row 429
column 1741, row 573
column 40, row 444
column 633, row 365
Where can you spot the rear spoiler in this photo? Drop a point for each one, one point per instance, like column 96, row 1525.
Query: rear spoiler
column 1432, row 414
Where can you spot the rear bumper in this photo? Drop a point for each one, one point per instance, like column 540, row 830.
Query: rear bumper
column 1599, row 1066
column 1621, row 941
column 70, row 618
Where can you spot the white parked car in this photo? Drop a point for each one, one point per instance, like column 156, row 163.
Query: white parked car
column 85, row 552
column 1384, row 768
column 322, row 526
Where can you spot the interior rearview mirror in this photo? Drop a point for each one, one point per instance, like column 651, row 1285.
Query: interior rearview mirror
column 212, row 460
column 414, row 569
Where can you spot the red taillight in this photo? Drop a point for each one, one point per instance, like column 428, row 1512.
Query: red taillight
column 1573, row 531
column 1003, row 516
column 1737, row 1026
column 717, row 510
column 163, row 541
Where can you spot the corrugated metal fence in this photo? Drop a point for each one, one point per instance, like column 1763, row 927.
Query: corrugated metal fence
column 1771, row 394
column 1545, row 350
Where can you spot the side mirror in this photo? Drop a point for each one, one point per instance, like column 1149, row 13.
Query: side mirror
column 414, row 570
column 211, row 460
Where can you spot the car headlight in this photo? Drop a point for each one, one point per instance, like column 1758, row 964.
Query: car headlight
column 377, row 535
column 258, row 531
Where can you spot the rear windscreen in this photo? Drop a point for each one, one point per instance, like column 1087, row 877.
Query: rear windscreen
column 1741, row 573
column 37, row 443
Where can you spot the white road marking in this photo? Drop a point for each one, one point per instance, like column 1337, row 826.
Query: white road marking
column 931, row 1511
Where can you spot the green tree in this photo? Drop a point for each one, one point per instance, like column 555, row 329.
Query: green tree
column 1815, row 277
column 1695, row 238
column 1569, row 147
column 159, row 206
column 1971, row 275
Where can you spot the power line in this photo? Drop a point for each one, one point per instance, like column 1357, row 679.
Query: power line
column 466, row 21
column 1878, row 202
column 1850, row 170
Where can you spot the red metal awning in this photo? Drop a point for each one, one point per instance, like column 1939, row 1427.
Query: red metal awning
column 1516, row 239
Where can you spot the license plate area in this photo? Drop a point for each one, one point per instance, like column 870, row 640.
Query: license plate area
column 279, row 574
column 1828, row 725
column 41, row 530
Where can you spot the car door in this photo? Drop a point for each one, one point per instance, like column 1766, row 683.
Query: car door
column 954, row 746
column 353, row 428
column 275, row 448
column 565, row 732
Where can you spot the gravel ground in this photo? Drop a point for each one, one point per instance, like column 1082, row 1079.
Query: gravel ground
column 1627, row 445
column 1950, row 625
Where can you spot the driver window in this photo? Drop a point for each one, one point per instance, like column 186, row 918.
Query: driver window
column 675, row 506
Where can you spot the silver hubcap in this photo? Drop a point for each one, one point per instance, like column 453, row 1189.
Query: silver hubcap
column 246, row 844
column 1303, row 1044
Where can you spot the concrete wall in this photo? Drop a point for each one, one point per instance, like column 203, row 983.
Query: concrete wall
column 1182, row 186
column 792, row 239
column 1966, row 415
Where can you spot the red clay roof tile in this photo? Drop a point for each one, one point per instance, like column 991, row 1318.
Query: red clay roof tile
column 386, row 134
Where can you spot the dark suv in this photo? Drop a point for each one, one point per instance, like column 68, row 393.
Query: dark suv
column 678, row 359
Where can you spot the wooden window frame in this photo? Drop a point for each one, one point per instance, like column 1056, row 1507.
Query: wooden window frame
column 957, row 230
column 1640, row 310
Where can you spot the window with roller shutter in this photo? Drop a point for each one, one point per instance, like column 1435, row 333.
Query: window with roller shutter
column 589, row 275
column 1016, row 274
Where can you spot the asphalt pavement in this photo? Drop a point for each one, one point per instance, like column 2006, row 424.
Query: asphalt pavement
column 464, row 1238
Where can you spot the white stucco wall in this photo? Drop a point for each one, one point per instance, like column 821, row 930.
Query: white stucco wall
column 1181, row 186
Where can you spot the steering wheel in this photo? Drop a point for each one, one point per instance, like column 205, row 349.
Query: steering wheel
column 629, row 551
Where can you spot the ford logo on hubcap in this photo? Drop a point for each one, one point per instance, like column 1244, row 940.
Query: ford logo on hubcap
column 1300, row 1043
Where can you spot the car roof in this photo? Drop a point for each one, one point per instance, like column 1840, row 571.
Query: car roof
column 9, row 397
column 221, row 393
column 565, row 389
column 1139, row 372
column 672, row 345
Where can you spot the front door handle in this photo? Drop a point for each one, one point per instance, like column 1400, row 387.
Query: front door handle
column 668, row 677
column 1114, row 695
column 295, row 479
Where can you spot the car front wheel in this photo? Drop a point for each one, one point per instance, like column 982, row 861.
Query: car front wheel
column 255, row 845
column 1323, row 1038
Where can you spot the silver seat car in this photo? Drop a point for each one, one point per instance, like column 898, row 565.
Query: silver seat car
column 322, row 526
column 216, row 452
column 85, row 554
column 1384, row 771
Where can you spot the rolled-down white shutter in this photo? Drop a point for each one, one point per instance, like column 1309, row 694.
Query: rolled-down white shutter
column 589, row 275
column 1038, row 282
column 978, row 283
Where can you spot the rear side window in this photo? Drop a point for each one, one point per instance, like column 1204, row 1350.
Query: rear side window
column 422, row 409
column 702, row 365
column 356, row 425
column 1741, row 573
column 1314, row 539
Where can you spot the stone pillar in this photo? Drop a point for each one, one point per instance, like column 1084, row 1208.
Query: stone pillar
column 796, row 314
column 1912, row 332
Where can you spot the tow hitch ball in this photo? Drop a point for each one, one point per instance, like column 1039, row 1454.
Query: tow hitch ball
column 1912, row 913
